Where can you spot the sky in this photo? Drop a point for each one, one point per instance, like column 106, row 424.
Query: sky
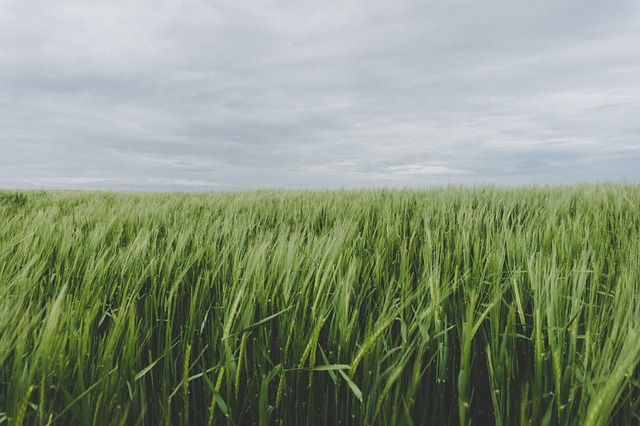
column 236, row 95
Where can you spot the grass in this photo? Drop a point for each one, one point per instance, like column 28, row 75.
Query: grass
column 442, row 306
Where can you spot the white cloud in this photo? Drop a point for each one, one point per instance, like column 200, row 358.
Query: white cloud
column 67, row 181
column 193, row 94
column 185, row 182
column 421, row 169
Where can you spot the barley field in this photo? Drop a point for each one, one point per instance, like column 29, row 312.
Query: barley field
column 461, row 306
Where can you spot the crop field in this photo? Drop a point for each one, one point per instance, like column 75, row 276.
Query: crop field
column 373, row 307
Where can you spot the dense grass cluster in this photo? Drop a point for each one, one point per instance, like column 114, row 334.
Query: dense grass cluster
column 442, row 306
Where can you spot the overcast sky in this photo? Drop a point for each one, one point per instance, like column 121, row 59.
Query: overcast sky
column 231, row 95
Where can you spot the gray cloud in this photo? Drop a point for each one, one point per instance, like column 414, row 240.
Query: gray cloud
column 234, row 95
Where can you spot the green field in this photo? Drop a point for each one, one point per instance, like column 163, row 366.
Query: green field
column 441, row 306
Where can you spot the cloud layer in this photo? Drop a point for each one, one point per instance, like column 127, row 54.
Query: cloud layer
column 234, row 95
